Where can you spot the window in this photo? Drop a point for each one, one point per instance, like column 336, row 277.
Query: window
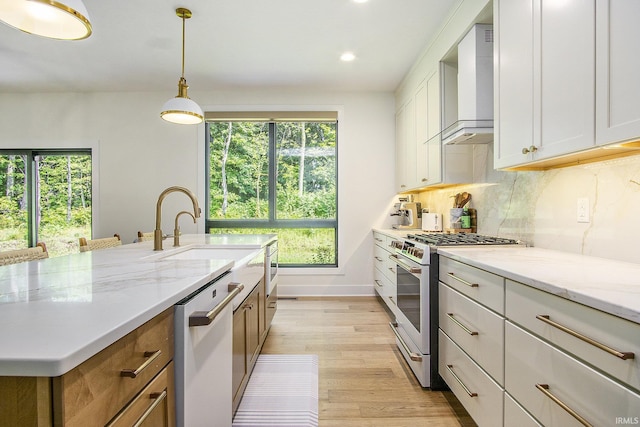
column 46, row 198
column 276, row 176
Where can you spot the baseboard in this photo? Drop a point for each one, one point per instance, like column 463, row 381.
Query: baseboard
column 292, row 290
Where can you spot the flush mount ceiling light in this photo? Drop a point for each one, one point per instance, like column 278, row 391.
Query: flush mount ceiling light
column 182, row 109
column 347, row 57
column 63, row 19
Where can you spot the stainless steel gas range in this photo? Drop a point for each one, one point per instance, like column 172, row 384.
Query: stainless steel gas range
column 416, row 325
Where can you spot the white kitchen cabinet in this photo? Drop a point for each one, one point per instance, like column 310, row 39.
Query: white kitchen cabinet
column 480, row 395
column 617, row 65
column 384, row 273
column 545, row 79
column 405, row 147
column 542, row 378
column 428, row 144
column 551, row 318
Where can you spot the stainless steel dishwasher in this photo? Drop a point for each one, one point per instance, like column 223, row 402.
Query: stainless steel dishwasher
column 203, row 354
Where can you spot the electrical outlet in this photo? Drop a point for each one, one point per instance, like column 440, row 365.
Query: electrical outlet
column 583, row 209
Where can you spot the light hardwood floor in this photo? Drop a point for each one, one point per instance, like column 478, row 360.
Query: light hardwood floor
column 363, row 380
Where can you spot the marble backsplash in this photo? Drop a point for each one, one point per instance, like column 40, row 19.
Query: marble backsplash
column 540, row 208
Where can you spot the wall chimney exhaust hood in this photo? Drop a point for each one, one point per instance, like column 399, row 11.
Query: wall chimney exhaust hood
column 474, row 124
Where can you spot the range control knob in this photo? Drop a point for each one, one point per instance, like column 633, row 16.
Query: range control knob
column 397, row 244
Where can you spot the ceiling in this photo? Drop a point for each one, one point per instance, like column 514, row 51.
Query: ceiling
column 230, row 44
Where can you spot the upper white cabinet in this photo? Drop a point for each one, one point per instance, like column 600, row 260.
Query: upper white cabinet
column 617, row 65
column 428, row 146
column 406, row 147
column 565, row 78
column 545, row 79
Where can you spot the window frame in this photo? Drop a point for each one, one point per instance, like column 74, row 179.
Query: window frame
column 32, row 153
column 272, row 222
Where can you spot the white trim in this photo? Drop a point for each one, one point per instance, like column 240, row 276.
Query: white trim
column 337, row 271
column 316, row 290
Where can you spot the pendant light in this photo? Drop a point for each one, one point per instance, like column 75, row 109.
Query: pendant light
column 181, row 109
column 55, row 19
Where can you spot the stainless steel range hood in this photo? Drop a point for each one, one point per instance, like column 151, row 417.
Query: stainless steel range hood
column 475, row 89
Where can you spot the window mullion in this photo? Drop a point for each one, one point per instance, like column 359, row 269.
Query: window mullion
column 273, row 168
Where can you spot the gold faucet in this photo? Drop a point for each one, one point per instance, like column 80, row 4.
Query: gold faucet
column 176, row 228
column 157, row 233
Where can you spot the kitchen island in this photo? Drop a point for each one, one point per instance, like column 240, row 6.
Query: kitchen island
column 68, row 324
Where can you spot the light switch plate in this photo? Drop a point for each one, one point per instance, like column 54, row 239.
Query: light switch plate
column 583, row 209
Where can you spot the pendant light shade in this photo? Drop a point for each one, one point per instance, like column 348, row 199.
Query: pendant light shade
column 63, row 19
column 182, row 109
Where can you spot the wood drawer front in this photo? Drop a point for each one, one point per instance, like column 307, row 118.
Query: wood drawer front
column 94, row 392
column 153, row 406
column 486, row 408
column 593, row 396
column 516, row 416
column 482, row 286
column 477, row 330
column 524, row 303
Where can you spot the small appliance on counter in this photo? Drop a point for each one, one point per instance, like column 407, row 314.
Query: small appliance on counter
column 431, row 221
column 409, row 213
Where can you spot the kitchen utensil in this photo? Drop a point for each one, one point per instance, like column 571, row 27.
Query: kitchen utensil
column 464, row 199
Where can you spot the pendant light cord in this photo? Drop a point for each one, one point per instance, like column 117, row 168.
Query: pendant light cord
column 183, row 32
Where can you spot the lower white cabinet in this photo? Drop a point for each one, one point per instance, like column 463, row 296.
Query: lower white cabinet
column 559, row 390
column 516, row 416
column 384, row 272
column 481, row 396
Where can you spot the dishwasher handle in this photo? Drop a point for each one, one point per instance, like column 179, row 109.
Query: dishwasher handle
column 204, row 318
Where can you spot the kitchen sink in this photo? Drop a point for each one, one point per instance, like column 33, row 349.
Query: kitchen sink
column 211, row 253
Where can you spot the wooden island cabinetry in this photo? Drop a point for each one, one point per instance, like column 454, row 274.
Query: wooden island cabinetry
column 249, row 333
column 130, row 381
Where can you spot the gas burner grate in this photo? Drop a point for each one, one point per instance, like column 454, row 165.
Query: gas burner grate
column 459, row 239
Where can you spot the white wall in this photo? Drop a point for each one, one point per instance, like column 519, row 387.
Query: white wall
column 139, row 155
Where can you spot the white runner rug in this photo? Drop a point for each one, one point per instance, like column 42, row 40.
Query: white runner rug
column 282, row 391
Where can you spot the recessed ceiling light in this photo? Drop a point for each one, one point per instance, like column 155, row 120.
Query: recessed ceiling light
column 347, row 56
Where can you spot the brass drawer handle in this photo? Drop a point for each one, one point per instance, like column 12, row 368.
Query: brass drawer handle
column 133, row 373
column 203, row 318
column 378, row 283
column 413, row 356
column 544, row 388
column 453, row 276
column 378, row 259
column 624, row 355
column 466, row 389
column 378, row 240
column 159, row 397
column 457, row 322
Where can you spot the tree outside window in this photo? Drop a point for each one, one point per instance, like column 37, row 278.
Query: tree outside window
column 276, row 177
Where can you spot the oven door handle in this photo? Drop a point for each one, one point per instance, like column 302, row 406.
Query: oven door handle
column 405, row 266
column 413, row 356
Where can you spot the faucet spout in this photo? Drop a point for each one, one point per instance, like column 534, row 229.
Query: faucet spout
column 157, row 233
column 176, row 228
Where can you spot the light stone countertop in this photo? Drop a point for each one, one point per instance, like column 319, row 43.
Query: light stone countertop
column 607, row 285
column 58, row 312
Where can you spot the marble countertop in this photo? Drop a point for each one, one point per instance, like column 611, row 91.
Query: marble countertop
column 58, row 312
column 607, row 285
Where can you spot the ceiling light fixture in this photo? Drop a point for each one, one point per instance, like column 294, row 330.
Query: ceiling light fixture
column 61, row 19
column 347, row 56
column 182, row 109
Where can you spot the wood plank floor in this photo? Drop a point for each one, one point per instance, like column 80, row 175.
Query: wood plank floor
column 363, row 380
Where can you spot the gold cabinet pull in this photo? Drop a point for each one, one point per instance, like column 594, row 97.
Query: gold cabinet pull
column 453, row 276
column 544, row 388
column 457, row 322
column 624, row 355
column 466, row 389
column 203, row 318
column 378, row 283
column 413, row 356
column 530, row 149
column 159, row 397
column 378, row 259
column 133, row 373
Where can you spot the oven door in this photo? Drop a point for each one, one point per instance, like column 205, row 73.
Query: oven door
column 413, row 301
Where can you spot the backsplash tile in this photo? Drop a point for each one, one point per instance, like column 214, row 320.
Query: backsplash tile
column 540, row 208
